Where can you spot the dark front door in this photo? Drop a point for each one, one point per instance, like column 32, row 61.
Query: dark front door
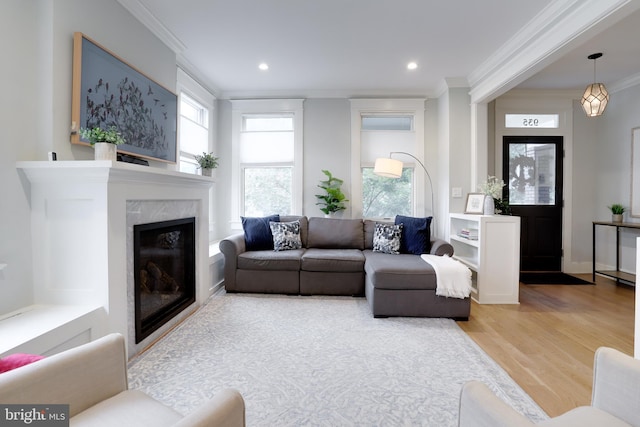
column 533, row 165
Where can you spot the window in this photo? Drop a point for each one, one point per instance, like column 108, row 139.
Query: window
column 387, row 122
column 267, row 158
column 380, row 127
column 385, row 197
column 540, row 121
column 194, row 132
column 266, row 161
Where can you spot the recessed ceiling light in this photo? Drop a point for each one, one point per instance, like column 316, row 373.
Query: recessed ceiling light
column 412, row 66
column 263, row 66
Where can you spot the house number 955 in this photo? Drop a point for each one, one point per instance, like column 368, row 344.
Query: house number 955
column 529, row 122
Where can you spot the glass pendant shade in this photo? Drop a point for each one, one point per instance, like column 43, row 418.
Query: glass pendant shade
column 595, row 99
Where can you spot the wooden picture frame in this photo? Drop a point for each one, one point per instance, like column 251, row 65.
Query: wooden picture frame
column 109, row 92
column 635, row 173
column 475, row 204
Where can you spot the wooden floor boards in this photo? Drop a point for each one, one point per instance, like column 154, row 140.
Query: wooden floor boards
column 547, row 342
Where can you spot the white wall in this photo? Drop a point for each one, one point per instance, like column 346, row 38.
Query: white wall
column 37, row 41
column 612, row 165
column 18, row 115
column 327, row 136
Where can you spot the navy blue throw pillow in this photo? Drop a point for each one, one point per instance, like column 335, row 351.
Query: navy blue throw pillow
column 416, row 235
column 257, row 233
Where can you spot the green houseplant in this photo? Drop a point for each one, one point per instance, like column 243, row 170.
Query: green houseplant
column 207, row 162
column 334, row 199
column 104, row 141
column 617, row 210
column 97, row 134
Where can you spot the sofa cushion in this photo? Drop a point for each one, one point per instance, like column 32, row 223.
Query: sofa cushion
column 257, row 233
column 403, row 271
column 333, row 233
column 129, row 408
column 336, row 260
column 416, row 234
column 286, row 235
column 270, row 260
column 386, row 238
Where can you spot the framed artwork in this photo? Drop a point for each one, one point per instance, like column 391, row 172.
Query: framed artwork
column 635, row 172
column 109, row 92
column 475, row 203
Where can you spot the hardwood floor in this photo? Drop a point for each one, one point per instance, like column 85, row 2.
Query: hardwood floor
column 547, row 342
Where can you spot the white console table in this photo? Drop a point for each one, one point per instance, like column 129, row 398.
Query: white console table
column 494, row 257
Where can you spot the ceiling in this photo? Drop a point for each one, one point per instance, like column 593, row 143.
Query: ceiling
column 328, row 48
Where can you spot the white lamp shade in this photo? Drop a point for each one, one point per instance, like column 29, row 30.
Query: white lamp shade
column 389, row 168
column 595, row 99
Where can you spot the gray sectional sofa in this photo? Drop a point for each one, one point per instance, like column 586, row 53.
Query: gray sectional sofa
column 337, row 258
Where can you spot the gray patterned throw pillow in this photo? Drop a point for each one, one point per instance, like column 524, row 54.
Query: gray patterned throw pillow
column 386, row 238
column 286, row 235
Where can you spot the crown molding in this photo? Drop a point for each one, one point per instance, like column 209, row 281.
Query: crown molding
column 556, row 29
column 142, row 14
column 623, row 84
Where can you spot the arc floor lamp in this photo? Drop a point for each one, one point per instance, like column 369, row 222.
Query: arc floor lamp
column 392, row 168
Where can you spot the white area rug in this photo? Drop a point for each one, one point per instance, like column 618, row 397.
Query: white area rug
column 321, row 361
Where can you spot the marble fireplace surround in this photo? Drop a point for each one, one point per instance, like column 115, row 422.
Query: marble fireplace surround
column 82, row 218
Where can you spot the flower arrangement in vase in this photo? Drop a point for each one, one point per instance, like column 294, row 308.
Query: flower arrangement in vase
column 492, row 189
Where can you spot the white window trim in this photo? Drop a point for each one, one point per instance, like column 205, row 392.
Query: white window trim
column 185, row 83
column 360, row 107
column 265, row 106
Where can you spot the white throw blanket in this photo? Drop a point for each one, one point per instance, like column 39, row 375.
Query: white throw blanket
column 453, row 277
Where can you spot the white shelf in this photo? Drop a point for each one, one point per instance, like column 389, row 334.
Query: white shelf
column 494, row 257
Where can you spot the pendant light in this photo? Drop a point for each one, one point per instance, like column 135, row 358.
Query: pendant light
column 595, row 97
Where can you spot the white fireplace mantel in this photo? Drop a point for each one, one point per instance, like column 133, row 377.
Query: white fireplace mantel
column 79, row 227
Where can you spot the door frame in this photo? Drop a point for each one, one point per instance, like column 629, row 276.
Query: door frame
column 543, row 102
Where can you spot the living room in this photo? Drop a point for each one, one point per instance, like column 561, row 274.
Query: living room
column 597, row 150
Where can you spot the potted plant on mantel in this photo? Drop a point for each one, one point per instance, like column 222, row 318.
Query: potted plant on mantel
column 616, row 212
column 208, row 162
column 333, row 200
column 103, row 141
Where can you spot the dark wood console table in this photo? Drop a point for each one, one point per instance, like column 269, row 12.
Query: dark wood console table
column 619, row 276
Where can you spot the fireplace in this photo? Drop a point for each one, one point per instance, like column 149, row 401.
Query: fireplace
column 164, row 272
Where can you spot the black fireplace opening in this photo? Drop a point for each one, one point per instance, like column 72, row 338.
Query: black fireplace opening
column 164, row 272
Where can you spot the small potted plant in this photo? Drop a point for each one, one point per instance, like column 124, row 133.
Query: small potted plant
column 104, row 141
column 617, row 210
column 334, row 199
column 208, row 162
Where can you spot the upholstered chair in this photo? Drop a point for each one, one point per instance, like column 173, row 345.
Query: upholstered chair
column 92, row 380
column 615, row 399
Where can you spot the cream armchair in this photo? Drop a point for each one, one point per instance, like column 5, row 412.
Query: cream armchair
column 615, row 400
column 92, row 379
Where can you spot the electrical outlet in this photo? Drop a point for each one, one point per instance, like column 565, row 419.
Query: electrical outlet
column 456, row 192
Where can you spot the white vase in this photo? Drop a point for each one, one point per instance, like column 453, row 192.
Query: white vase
column 105, row 151
column 206, row 171
column 489, row 206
